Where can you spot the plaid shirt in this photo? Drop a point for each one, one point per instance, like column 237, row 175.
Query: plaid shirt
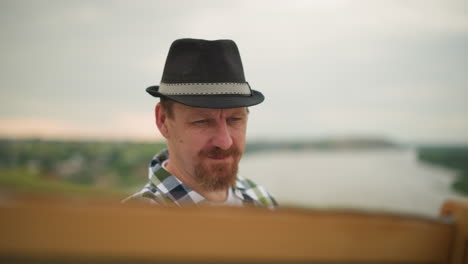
column 165, row 189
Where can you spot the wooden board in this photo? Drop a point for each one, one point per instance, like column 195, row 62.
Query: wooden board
column 139, row 233
column 458, row 210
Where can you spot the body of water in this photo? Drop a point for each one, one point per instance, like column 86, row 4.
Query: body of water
column 388, row 180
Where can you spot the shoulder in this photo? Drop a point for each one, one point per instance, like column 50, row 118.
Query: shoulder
column 150, row 194
column 257, row 192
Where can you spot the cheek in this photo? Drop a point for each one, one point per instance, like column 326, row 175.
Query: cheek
column 177, row 138
column 192, row 141
column 238, row 137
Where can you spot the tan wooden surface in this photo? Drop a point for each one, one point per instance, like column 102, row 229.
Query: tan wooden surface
column 136, row 232
column 459, row 211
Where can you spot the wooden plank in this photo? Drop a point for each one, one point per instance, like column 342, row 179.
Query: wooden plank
column 459, row 211
column 143, row 233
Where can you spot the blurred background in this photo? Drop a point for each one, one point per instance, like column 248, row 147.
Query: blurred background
column 365, row 100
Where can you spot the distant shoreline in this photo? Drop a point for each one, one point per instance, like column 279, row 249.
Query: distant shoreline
column 323, row 144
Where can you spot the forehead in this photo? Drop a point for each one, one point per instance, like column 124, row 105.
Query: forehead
column 190, row 111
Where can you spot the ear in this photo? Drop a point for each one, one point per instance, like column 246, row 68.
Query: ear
column 161, row 120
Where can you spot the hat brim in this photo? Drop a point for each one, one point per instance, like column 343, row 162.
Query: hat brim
column 212, row 101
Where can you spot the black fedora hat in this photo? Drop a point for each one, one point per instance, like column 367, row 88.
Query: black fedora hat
column 203, row 73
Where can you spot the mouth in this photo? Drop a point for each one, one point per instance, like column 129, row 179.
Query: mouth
column 217, row 154
column 219, row 157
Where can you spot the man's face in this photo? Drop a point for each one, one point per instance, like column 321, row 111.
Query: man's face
column 206, row 144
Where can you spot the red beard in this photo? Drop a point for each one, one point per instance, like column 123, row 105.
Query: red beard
column 220, row 176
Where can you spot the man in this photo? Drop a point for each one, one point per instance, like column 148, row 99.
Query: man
column 203, row 116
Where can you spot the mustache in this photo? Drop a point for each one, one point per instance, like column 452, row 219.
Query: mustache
column 219, row 153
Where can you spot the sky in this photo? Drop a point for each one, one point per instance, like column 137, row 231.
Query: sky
column 328, row 68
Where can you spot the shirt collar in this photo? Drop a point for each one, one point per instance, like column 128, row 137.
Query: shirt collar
column 179, row 193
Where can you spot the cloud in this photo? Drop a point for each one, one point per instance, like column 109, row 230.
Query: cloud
column 82, row 62
column 124, row 126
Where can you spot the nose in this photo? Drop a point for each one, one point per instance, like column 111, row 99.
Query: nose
column 222, row 136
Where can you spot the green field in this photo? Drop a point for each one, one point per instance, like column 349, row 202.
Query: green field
column 75, row 167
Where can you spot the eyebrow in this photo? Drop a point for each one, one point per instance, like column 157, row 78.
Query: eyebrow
column 208, row 112
column 207, row 115
column 200, row 114
column 244, row 110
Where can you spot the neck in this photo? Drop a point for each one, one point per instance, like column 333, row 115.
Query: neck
column 217, row 196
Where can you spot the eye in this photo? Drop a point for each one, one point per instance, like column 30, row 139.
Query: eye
column 234, row 119
column 201, row 121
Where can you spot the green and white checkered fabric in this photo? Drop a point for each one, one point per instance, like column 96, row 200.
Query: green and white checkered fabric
column 165, row 189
